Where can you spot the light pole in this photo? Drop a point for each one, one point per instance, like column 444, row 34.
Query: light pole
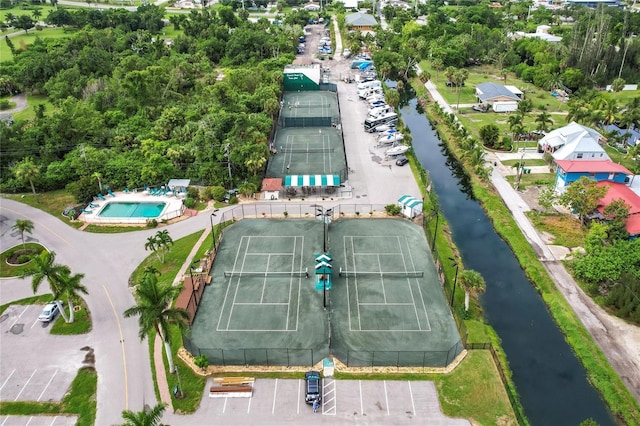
column 193, row 285
column 213, row 232
column 324, row 214
column 455, row 280
column 435, row 231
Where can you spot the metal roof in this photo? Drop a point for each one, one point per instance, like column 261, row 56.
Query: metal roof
column 409, row 201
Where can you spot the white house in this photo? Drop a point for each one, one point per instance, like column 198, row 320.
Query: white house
column 568, row 134
column 271, row 188
column 312, row 7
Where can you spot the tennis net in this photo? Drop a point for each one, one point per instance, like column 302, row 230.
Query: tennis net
column 266, row 274
column 303, row 150
column 390, row 274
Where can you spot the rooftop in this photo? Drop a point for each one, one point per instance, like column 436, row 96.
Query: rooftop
column 592, row 166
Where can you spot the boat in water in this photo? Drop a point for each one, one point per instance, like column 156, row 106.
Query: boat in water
column 396, row 150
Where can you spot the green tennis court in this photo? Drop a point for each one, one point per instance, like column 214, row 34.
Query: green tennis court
column 386, row 306
column 309, row 109
column 302, row 151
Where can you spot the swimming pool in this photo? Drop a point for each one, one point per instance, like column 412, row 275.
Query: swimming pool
column 132, row 209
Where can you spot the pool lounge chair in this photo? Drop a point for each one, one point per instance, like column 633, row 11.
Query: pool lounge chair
column 94, row 205
column 126, row 190
column 111, row 193
column 87, row 211
column 101, row 197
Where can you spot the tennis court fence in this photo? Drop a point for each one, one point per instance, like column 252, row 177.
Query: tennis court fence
column 288, row 357
column 390, row 274
column 266, row 274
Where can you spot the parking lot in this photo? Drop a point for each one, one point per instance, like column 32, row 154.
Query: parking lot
column 278, row 401
column 37, row 366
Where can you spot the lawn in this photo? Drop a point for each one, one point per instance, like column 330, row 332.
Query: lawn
column 53, row 202
column 22, row 41
column 32, row 101
column 538, row 179
column 7, row 270
column 566, row 229
column 25, row 10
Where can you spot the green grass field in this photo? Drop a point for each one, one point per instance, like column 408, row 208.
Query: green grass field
column 25, row 10
column 23, row 40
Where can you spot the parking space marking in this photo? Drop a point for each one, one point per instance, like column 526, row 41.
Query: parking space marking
column 386, row 397
column 249, row 405
column 25, row 385
column 5, row 382
column 327, row 407
column 224, row 404
column 34, row 323
column 361, row 403
column 298, row 399
column 18, row 317
column 275, row 392
column 45, row 388
column 54, row 420
column 413, row 405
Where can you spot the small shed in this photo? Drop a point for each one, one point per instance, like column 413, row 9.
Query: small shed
column 271, row 188
column 178, row 185
column 411, row 206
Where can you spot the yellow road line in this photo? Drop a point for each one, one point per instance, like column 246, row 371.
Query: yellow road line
column 40, row 225
column 124, row 357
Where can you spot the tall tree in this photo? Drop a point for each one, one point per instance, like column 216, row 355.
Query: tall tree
column 164, row 241
column 43, row 267
column 22, row 226
column 544, row 120
column 472, row 283
column 27, row 172
column 71, row 286
column 149, row 416
column 582, row 196
column 154, row 312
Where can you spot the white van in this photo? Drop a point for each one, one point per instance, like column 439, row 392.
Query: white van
column 369, row 85
column 378, row 111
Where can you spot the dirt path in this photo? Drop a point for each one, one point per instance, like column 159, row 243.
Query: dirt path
column 21, row 104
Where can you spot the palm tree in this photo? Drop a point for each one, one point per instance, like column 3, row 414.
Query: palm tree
column 45, row 266
column 36, row 14
column 70, row 286
column 154, row 311
column 22, row 226
column 152, row 244
column 26, row 171
column 544, row 120
column 471, row 282
column 146, row 417
column 98, row 176
column 164, row 241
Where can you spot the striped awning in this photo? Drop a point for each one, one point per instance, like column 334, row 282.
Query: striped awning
column 409, row 201
column 312, row 180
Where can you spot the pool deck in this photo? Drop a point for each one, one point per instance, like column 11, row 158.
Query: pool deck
column 172, row 210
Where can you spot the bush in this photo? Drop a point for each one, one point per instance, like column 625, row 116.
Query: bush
column 201, row 361
column 233, row 200
column 22, row 259
column 152, row 223
column 193, row 192
column 190, row 203
column 393, row 209
column 218, row 193
column 84, row 189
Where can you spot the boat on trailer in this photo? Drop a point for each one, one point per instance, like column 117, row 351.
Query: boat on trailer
column 396, row 150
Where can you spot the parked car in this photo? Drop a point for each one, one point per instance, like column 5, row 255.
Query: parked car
column 49, row 312
column 480, row 108
column 401, row 161
column 313, row 387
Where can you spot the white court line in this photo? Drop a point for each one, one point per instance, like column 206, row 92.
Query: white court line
column 424, row 307
column 260, row 303
column 235, row 295
column 264, row 282
column 415, row 305
column 275, row 393
column 252, row 330
column 386, row 397
column 361, row 403
column 385, row 304
column 384, row 293
column 25, row 385
column 224, row 302
column 18, row 317
column 45, row 388
column 5, row 382
column 413, row 405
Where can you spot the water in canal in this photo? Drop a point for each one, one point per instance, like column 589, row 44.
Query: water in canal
column 551, row 381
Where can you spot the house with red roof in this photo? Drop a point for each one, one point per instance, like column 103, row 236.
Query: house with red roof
column 569, row 171
column 271, row 188
column 619, row 191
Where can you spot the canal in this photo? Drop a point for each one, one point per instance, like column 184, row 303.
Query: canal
column 550, row 380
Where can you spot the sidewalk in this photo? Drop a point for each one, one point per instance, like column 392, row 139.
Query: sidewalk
column 158, row 346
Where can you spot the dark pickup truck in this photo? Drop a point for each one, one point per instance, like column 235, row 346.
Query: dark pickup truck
column 313, row 387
